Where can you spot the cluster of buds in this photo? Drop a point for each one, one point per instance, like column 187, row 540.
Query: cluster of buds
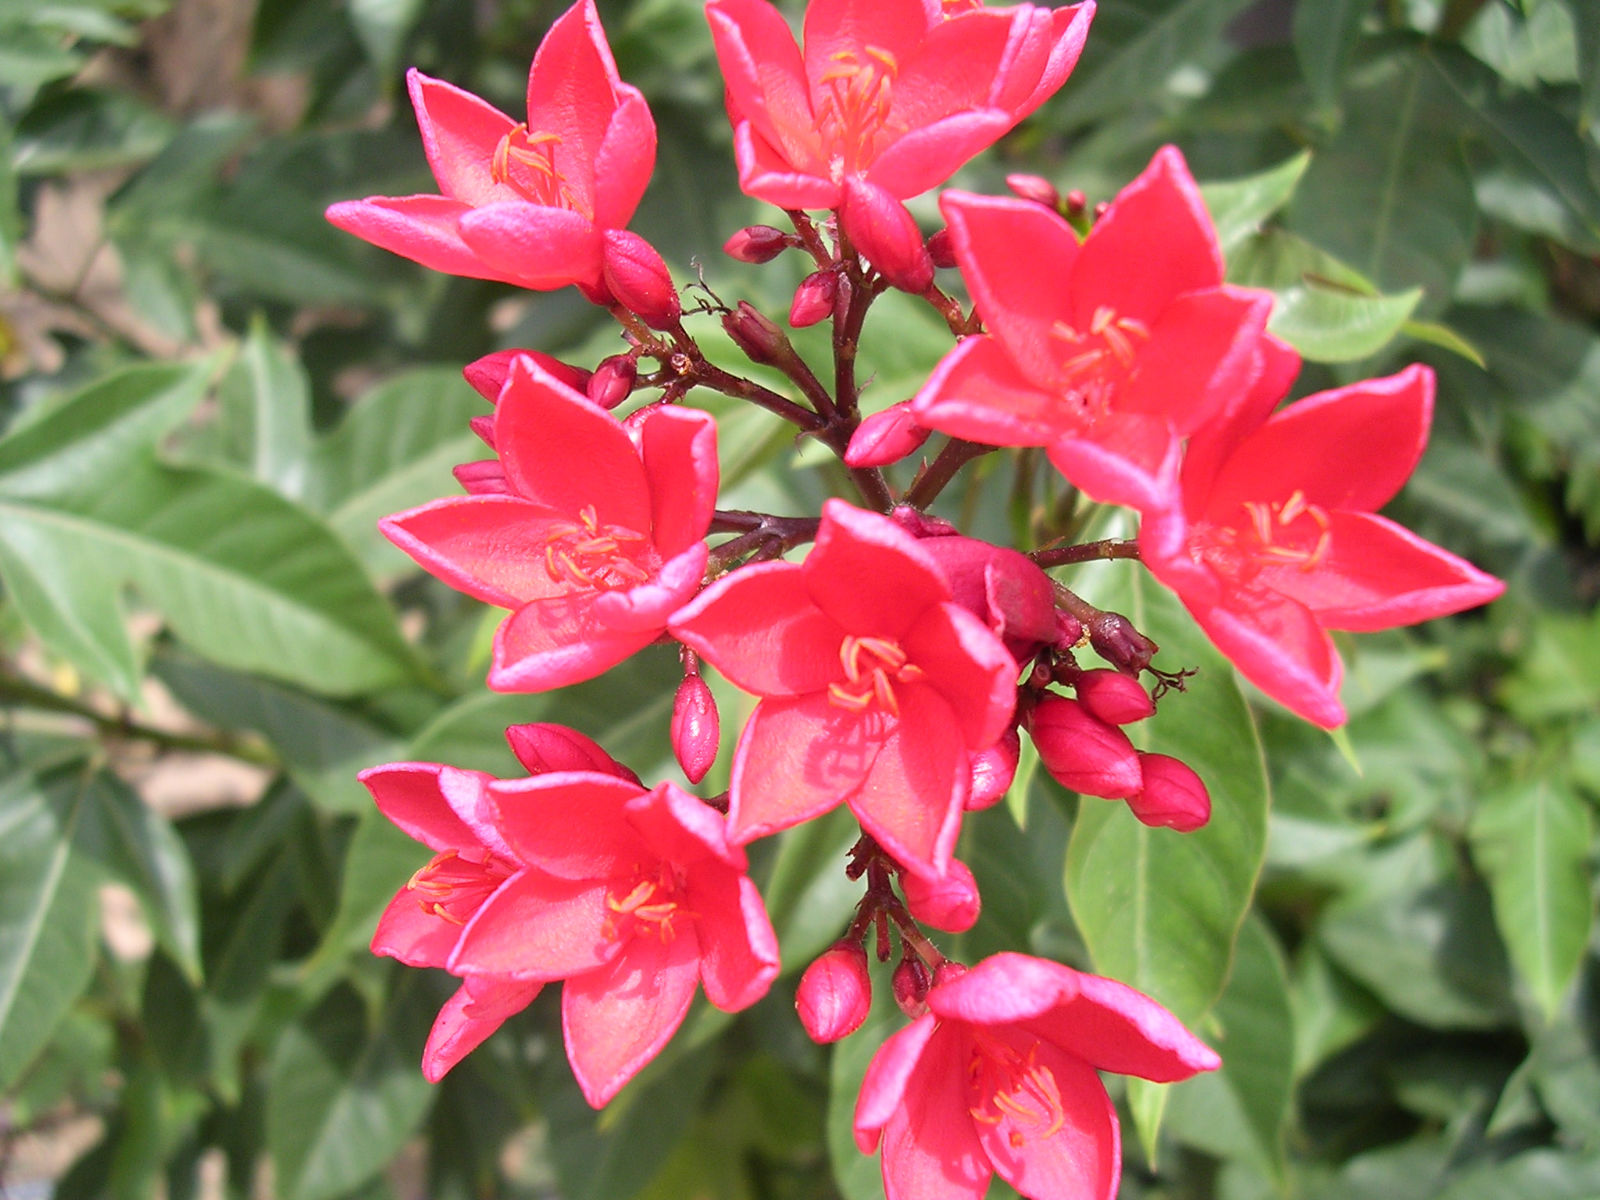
column 898, row 663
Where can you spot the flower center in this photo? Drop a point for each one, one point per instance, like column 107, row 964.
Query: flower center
column 1005, row 1085
column 651, row 905
column 1096, row 362
column 527, row 162
column 587, row 554
column 1279, row 533
column 872, row 666
column 453, row 885
column 854, row 108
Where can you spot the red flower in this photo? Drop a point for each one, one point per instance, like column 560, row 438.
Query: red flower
column 888, row 98
column 633, row 898
column 533, row 204
column 1105, row 353
column 1275, row 540
column 999, row 1076
column 877, row 688
column 596, row 540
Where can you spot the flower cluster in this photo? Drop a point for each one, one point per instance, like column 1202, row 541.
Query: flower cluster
column 898, row 662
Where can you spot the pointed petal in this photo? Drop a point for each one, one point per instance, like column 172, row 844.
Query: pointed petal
column 738, row 948
column 541, row 248
column 478, row 1008
column 1003, row 989
column 569, row 824
column 625, row 160
column 679, row 449
column 912, row 797
column 1278, row 645
column 572, row 93
column 434, row 804
column 415, row 937
column 796, row 759
column 686, row 830
column 767, row 175
column 489, row 546
column 955, row 69
column 616, row 1020
column 1215, row 442
column 968, row 667
column 977, row 392
column 1112, row 1027
column 766, row 80
column 542, row 747
column 842, row 30
column 1061, row 34
column 557, row 641
column 1127, row 458
column 929, row 155
column 425, row 229
column 648, row 607
column 931, row 1149
column 1202, row 355
column 868, row 574
column 536, row 928
column 460, row 134
column 883, row 1088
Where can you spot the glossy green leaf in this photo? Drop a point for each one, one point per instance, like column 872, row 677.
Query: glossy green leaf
column 1238, row 207
column 1547, row 1174
column 1436, row 333
column 1324, row 36
column 809, row 900
column 1532, row 840
column 1586, row 31
column 48, row 914
column 264, row 409
column 10, row 214
column 81, row 130
column 1528, row 47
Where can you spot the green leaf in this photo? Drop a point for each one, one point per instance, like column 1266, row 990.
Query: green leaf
column 1238, row 207
column 83, row 130
column 1324, row 35
column 10, row 217
column 857, row 1175
column 1557, row 672
column 264, row 408
column 1586, row 29
column 345, row 1092
column 1532, row 841
column 382, row 26
column 1436, row 333
column 808, row 898
column 48, row 914
column 1527, row 48
column 1547, row 1174
column 1160, row 910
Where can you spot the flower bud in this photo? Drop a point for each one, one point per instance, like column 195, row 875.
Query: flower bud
column 835, row 993
column 920, row 524
column 612, row 381
column 486, row 478
column 1115, row 698
column 543, row 747
column 814, row 299
column 695, row 727
column 886, row 234
column 885, row 437
column 484, row 428
column 757, row 244
column 950, row 903
column 1069, row 631
column 1082, row 752
column 488, row 374
column 942, row 249
column 1077, row 203
column 1004, row 589
column 1036, row 188
column 910, row 983
column 1116, row 640
column 639, row 280
column 760, row 339
column 993, row 770
column 1174, row 797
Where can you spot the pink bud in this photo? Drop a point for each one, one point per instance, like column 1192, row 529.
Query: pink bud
column 760, row 339
column 486, row 478
column 1082, row 752
column 1077, row 203
column 639, row 279
column 1174, row 797
column 488, row 374
column 696, row 727
column 920, row 524
column 942, row 249
column 835, row 993
column 1115, row 698
column 885, row 437
column 950, row 903
column 814, row 299
column 1119, row 643
column 886, row 234
column 1036, row 188
column 1004, row 589
column 993, row 770
column 484, row 428
column 910, row 983
column 757, row 244
column 1069, row 630
column 612, row 381
column 542, row 747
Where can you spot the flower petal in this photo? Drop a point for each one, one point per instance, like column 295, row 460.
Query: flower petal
column 842, row 31
column 977, row 392
column 569, row 824
column 425, row 229
column 557, row 641
column 868, row 574
column 1202, row 354
column 541, row 248
column 625, row 160
column 930, row 154
column 536, row 928
column 648, row 607
column 1277, row 644
column 489, row 546
column 883, row 1088
column 1127, row 458
column 766, row 79
column 915, row 791
column 1112, row 1027
column 439, row 806
column 478, row 1008
column 414, row 937
column 572, row 93
column 738, row 948
column 460, row 134
column 796, row 759
column 968, row 667
column 678, row 447
column 931, row 1148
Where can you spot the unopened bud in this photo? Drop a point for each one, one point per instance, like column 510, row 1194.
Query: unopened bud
column 484, row 428
column 1077, row 203
column 835, row 993
column 1115, row 698
column 696, row 727
column 1069, row 631
column 910, row 983
column 639, row 280
column 993, row 770
column 1036, row 188
column 1116, row 640
column 760, row 339
column 942, row 249
column 488, row 374
column 920, row 524
column 1082, row 752
column 486, row 478
column 885, row 437
column 1174, row 797
column 886, row 234
column 814, row 299
column 950, row 903
column 1102, row 209
column 543, row 747
column 757, row 244
column 612, row 381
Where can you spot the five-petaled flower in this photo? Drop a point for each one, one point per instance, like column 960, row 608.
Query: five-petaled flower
column 537, row 203
column 1106, row 353
column 1275, row 538
column 877, row 688
column 594, row 538
column 998, row 1076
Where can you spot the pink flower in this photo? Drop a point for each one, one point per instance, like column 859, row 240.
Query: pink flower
column 876, row 688
column 634, row 898
column 999, row 1076
column 1275, row 538
column 888, row 98
column 595, row 541
column 1105, row 353
column 533, row 204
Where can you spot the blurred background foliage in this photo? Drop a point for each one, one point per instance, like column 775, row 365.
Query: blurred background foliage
column 209, row 396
